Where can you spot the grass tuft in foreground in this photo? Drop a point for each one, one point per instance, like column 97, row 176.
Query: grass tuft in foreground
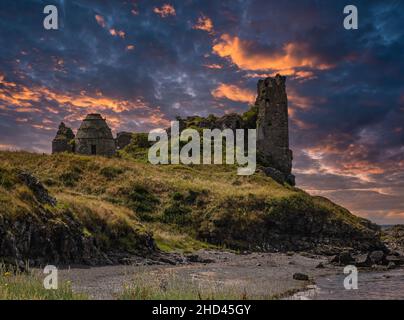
column 28, row 286
column 173, row 287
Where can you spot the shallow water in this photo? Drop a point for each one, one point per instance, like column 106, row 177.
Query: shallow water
column 387, row 285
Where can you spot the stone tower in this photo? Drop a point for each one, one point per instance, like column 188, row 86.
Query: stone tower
column 94, row 137
column 272, row 125
column 64, row 140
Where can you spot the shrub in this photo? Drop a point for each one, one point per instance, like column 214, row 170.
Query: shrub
column 177, row 214
column 111, row 172
column 7, row 179
column 140, row 140
column 70, row 178
column 250, row 117
column 141, row 199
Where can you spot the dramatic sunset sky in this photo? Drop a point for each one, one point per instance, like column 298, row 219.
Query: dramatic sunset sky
column 141, row 63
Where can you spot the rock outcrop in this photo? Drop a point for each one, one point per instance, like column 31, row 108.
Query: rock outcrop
column 299, row 223
column 38, row 189
column 34, row 230
column 394, row 238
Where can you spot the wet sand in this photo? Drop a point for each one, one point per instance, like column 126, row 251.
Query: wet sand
column 382, row 285
column 259, row 275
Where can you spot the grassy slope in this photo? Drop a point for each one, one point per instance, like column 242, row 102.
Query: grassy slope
column 186, row 207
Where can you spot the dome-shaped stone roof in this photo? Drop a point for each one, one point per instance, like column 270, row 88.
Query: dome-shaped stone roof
column 94, row 127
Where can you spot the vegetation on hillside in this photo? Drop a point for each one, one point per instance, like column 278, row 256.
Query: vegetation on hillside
column 118, row 204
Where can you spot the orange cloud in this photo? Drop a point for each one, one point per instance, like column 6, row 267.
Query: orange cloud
column 204, row 23
column 234, row 93
column 346, row 161
column 20, row 98
column 117, row 33
column 100, row 20
column 165, row 11
column 285, row 72
column 362, row 167
column 292, row 56
column 299, row 101
column 304, row 75
column 213, row 66
column 112, row 31
column 301, row 124
column 5, row 83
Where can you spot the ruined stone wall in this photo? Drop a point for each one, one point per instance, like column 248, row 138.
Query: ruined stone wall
column 61, row 146
column 94, row 137
column 63, row 141
column 102, row 147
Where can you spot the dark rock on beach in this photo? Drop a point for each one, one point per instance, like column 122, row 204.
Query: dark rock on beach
column 301, row 277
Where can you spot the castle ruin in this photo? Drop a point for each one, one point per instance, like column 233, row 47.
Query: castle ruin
column 94, row 137
column 272, row 124
column 269, row 116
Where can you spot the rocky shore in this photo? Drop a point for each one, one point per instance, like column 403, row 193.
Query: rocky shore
column 248, row 275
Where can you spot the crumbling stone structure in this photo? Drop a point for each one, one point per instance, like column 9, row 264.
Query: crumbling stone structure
column 64, row 140
column 94, row 137
column 269, row 115
column 272, row 124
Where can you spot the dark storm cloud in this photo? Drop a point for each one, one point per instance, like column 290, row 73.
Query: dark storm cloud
column 141, row 68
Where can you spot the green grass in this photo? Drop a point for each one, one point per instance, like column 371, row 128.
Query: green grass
column 28, row 286
column 185, row 207
column 172, row 287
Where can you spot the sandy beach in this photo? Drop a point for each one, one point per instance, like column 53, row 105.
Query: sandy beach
column 255, row 275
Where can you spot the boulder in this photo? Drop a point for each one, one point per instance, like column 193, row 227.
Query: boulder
column 301, row 277
column 362, row 260
column 397, row 260
column 376, row 257
column 290, row 179
column 197, row 259
column 344, row 258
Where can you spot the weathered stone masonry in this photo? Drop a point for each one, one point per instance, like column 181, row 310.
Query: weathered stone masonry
column 94, row 137
column 272, row 124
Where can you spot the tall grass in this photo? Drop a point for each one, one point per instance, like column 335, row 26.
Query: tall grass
column 195, row 203
column 29, row 286
column 172, row 287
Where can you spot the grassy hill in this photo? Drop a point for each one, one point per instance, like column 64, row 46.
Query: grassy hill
column 108, row 208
